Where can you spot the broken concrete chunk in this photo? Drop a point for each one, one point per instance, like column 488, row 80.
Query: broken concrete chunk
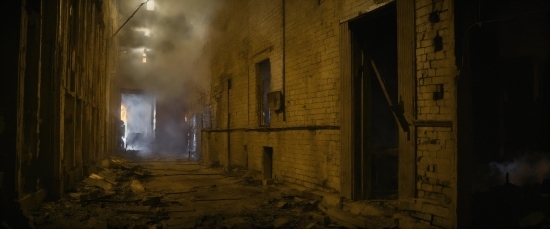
column 95, row 176
column 151, row 201
column 109, row 176
column 312, row 196
column 75, row 195
column 333, row 201
column 280, row 222
column 283, row 205
column 137, row 187
column 98, row 183
column 322, row 219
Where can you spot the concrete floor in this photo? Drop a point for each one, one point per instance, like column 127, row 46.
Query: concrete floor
column 192, row 196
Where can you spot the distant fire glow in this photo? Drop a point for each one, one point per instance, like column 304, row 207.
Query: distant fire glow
column 123, row 113
column 138, row 114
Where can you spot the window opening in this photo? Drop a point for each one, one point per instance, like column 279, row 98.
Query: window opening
column 264, row 85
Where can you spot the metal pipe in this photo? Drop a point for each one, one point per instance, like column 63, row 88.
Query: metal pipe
column 129, row 18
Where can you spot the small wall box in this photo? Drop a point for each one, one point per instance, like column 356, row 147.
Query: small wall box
column 275, row 100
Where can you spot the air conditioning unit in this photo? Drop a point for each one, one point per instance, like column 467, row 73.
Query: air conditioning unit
column 275, row 100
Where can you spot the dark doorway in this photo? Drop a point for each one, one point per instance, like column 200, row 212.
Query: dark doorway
column 268, row 162
column 375, row 130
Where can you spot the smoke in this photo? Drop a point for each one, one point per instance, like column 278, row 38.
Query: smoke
column 528, row 169
column 173, row 37
column 162, row 54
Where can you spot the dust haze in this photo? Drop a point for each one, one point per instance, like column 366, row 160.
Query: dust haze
column 161, row 55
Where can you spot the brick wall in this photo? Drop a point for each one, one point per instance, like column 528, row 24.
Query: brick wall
column 435, row 139
column 306, row 145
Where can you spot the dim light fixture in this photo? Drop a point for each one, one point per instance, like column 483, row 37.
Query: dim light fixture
column 144, row 60
column 144, row 55
column 151, row 5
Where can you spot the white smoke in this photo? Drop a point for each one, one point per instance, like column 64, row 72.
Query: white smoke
column 162, row 54
column 526, row 170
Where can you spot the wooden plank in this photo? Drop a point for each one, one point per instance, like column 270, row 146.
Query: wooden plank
column 406, row 87
column 345, row 111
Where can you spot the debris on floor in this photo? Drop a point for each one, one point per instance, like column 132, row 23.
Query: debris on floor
column 148, row 195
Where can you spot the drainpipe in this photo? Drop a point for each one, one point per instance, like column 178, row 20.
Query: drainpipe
column 228, row 126
column 284, row 58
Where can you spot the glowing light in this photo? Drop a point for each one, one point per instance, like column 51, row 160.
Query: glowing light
column 123, row 113
column 146, row 31
column 144, row 60
column 144, row 55
column 151, row 5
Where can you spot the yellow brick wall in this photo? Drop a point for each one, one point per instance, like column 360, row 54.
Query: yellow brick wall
column 247, row 32
column 436, row 143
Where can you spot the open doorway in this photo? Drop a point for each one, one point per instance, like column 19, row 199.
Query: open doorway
column 138, row 122
column 375, row 131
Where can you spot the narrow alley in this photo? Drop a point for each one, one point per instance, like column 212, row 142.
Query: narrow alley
column 275, row 114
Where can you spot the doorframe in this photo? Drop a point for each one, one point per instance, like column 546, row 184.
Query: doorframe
column 406, row 63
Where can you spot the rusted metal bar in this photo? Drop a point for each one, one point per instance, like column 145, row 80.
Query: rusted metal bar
column 396, row 109
column 140, row 5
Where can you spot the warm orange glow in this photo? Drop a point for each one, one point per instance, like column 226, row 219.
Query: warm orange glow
column 123, row 113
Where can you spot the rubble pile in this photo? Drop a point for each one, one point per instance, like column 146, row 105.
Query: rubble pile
column 124, row 195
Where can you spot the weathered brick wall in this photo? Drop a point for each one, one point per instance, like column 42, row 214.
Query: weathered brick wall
column 306, row 148
column 248, row 32
column 436, row 141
